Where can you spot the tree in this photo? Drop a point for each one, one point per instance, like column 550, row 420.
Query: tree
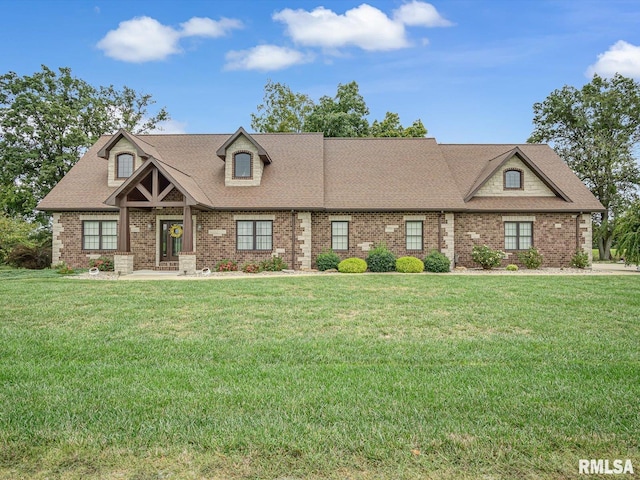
column 595, row 130
column 627, row 234
column 391, row 127
column 341, row 116
column 344, row 115
column 48, row 120
column 282, row 110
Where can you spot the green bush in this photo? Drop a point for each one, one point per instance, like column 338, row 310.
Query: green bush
column 532, row 259
column 437, row 262
column 226, row 265
column 381, row 259
column 104, row 264
column 512, row 268
column 33, row 257
column 15, row 232
column 327, row 260
column 580, row 259
column 62, row 268
column 409, row 265
column 486, row 257
column 274, row 264
column 352, row 265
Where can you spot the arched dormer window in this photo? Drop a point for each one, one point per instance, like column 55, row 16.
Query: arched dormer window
column 242, row 165
column 513, row 179
column 124, row 165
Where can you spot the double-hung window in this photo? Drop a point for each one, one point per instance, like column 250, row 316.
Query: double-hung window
column 242, row 165
column 513, row 180
column 124, row 165
column 518, row 235
column 254, row 235
column 340, row 235
column 414, row 235
column 99, row 235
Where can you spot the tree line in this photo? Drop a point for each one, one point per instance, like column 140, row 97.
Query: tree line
column 49, row 119
column 343, row 115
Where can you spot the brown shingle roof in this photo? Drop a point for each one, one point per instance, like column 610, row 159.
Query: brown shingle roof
column 469, row 162
column 314, row 173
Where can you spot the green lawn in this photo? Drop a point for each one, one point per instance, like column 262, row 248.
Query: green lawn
column 345, row 377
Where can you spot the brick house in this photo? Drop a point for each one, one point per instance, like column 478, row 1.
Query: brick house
column 187, row 201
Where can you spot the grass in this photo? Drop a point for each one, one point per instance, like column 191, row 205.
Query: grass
column 614, row 255
column 359, row 377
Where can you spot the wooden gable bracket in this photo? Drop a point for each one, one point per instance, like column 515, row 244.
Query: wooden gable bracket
column 151, row 198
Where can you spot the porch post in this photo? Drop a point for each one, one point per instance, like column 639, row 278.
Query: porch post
column 123, row 259
column 123, row 230
column 187, row 258
column 187, row 237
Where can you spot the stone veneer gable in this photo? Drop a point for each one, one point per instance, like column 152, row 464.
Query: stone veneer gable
column 122, row 146
column 243, row 144
column 533, row 186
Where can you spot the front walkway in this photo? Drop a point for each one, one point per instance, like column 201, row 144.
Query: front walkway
column 597, row 269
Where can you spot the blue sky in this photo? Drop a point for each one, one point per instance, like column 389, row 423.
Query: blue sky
column 469, row 69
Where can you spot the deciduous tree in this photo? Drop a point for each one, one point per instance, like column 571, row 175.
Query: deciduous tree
column 344, row 115
column 282, row 110
column 391, row 127
column 595, row 130
column 48, row 120
column 627, row 234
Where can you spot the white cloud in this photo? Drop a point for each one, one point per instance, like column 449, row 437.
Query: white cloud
column 205, row 27
column 265, row 58
column 141, row 39
column 420, row 14
column 144, row 39
column 365, row 26
column 622, row 58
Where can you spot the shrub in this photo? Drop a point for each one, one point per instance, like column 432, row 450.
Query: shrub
column 580, row 259
column 251, row 267
column 29, row 256
column 327, row 260
column 512, row 268
column 62, row 268
column 14, row 232
column 352, row 265
column 226, row 265
column 486, row 257
column 531, row 258
column 381, row 259
column 409, row 265
column 274, row 264
column 104, row 264
column 437, row 262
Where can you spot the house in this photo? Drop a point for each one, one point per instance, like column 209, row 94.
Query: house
column 188, row 201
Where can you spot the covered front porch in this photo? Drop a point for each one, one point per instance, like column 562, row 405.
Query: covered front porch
column 167, row 210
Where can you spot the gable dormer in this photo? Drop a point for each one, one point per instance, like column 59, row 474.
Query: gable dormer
column 125, row 155
column 513, row 174
column 244, row 159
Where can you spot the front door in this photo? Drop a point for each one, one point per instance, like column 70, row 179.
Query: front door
column 170, row 240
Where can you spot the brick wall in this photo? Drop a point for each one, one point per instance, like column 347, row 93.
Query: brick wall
column 554, row 235
column 369, row 229
column 67, row 238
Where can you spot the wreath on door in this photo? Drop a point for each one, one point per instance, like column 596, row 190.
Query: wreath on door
column 176, row 230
